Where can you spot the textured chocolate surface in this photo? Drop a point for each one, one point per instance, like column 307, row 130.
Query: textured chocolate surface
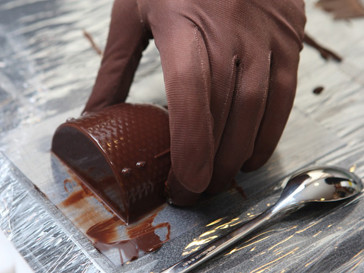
column 121, row 153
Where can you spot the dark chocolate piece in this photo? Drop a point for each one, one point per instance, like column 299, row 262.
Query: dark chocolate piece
column 105, row 149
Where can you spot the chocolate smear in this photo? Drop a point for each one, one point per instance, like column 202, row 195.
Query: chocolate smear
column 324, row 52
column 342, row 9
column 80, row 206
column 89, row 37
column 104, row 231
column 142, row 237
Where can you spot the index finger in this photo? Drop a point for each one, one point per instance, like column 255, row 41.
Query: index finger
column 126, row 41
column 187, row 80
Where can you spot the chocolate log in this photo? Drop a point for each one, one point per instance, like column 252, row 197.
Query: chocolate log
column 121, row 154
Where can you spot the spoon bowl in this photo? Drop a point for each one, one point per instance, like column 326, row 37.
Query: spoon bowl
column 318, row 184
column 310, row 185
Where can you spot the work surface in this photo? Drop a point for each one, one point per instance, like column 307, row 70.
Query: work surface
column 47, row 69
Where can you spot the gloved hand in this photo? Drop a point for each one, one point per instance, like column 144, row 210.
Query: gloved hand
column 230, row 72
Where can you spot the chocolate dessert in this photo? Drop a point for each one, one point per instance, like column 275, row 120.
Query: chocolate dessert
column 121, row 153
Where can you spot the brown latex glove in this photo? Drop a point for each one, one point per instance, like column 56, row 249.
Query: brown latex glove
column 230, row 72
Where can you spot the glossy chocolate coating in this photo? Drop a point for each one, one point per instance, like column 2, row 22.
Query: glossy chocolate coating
column 114, row 152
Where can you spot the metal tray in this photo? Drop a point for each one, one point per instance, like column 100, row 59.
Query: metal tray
column 47, row 69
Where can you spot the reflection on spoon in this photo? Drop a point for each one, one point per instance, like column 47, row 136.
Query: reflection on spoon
column 317, row 184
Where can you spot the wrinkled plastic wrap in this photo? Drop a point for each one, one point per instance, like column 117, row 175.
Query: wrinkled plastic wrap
column 47, row 68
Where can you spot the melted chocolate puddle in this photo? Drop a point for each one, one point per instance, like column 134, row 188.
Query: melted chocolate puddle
column 342, row 9
column 103, row 232
column 80, row 206
column 143, row 237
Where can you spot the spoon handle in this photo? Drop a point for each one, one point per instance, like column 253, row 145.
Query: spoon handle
column 212, row 249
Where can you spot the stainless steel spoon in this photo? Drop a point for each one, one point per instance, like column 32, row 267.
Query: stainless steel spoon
column 317, row 184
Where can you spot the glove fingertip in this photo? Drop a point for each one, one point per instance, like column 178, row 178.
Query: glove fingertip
column 177, row 194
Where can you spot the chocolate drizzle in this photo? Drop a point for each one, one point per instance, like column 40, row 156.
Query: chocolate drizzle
column 105, row 231
column 142, row 237
column 89, row 37
column 80, row 206
column 324, row 52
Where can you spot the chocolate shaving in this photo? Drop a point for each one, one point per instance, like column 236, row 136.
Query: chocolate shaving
column 88, row 36
column 342, row 9
column 324, row 52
